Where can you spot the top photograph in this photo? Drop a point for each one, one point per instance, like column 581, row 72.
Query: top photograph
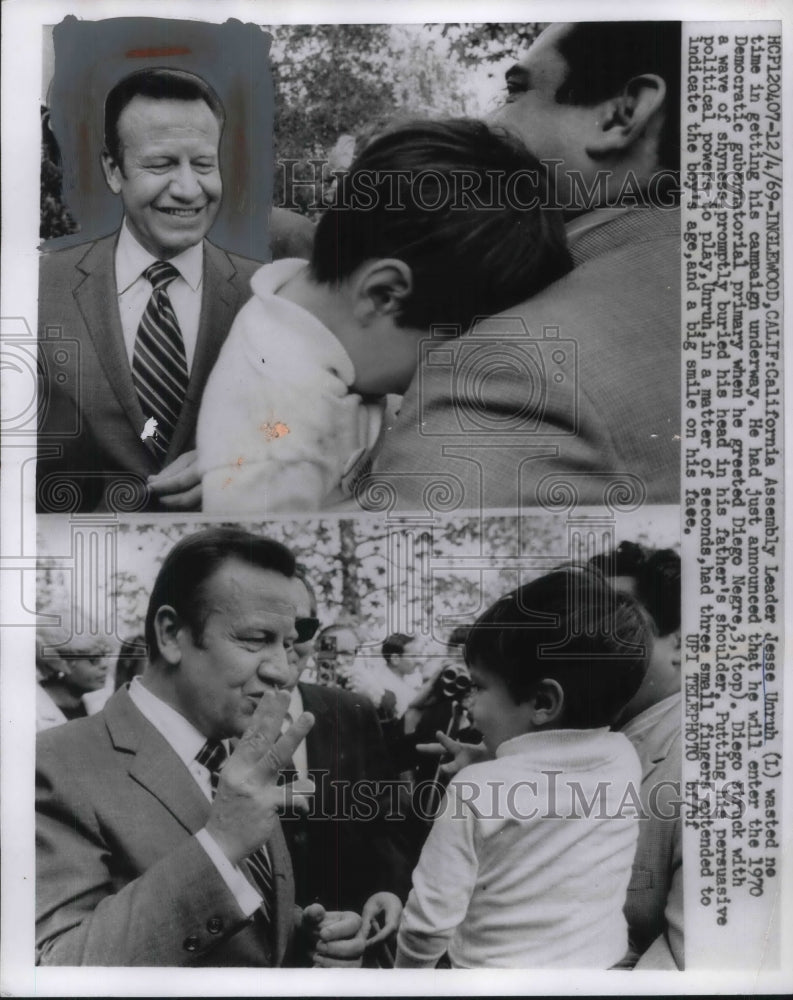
column 350, row 268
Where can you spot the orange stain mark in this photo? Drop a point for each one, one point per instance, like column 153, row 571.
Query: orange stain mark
column 274, row 430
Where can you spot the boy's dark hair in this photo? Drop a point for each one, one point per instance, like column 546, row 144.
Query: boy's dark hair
column 161, row 84
column 602, row 56
column 193, row 560
column 457, row 202
column 397, row 643
column 656, row 573
column 569, row 625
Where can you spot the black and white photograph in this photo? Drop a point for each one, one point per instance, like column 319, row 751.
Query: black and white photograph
column 393, row 499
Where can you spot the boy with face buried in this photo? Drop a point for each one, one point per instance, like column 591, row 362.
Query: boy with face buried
column 528, row 861
column 435, row 224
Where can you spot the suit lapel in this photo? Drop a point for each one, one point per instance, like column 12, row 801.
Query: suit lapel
column 97, row 299
column 153, row 763
column 220, row 299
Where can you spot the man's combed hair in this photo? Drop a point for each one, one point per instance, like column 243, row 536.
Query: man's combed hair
column 656, row 575
column 570, row 626
column 603, row 56
column 460, row 204
column 193, row 560
column 160, row 84
column 396, row 643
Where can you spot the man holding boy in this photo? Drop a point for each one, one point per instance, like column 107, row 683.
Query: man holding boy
column 581, row 382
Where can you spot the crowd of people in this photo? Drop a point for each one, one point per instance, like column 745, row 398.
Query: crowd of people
column 496, row 805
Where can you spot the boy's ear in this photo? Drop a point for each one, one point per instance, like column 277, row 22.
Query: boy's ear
column 167, row 627
column 622, row 120
column 380, row 288
column 548, row 702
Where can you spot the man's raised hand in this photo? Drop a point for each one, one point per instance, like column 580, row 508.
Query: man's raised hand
column 244, row 808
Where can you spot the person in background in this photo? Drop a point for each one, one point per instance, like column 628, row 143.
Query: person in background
column 72, row 677
column 343, row 859
column 652, row 720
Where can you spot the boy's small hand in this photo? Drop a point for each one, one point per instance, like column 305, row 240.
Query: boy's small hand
column 380, row 917
column 463, row 754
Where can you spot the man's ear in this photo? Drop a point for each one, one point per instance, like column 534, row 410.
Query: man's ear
column 112, row 172
column 548, row 703
column 624, row 119
column 167, row 627
column 380, row 288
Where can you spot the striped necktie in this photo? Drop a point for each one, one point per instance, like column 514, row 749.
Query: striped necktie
column 213, row 756
column 159, row 363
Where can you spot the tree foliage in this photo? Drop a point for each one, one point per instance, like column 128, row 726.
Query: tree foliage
column 472, row 44
column 337, row 79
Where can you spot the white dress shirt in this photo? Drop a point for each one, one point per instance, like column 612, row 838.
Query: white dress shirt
column 134, row 291
column 186, row 741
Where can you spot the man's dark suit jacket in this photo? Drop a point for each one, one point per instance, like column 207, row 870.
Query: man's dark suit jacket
column 90, row 452
column 341, row 861
column 121, row 880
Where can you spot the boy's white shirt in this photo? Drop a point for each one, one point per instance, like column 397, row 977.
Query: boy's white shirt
column 279, row 430
column 495, row 890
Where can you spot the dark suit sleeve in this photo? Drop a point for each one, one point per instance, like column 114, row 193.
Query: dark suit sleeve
column 89, row 913
column 388, row 842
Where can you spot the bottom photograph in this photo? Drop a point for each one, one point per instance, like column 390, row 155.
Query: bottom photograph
column 360, row 743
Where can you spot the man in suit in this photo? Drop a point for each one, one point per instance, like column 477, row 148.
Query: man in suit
column 346, row 854
column 576, row 390
column 118, row 412
column 154, row 846
column 652, row 721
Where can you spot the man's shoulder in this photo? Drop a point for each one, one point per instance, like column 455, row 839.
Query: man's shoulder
column 63, row 259
column 90, row 736
column 62, row 747
column 235, row 266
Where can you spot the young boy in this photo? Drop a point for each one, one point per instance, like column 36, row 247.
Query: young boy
column 436, row 223
column 528, row 863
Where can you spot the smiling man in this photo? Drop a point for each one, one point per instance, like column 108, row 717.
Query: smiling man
column 158, row 843
column 131, row 324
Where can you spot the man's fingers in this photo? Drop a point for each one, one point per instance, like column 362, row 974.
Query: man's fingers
column 436, row 749
column 288, row 742
column 313, row 916
column 259, row 738
column 191, row 500
column 182, row 474
column 340, row 928
column 295, row 797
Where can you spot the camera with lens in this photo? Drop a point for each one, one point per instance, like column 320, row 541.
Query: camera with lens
column 453, row 682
